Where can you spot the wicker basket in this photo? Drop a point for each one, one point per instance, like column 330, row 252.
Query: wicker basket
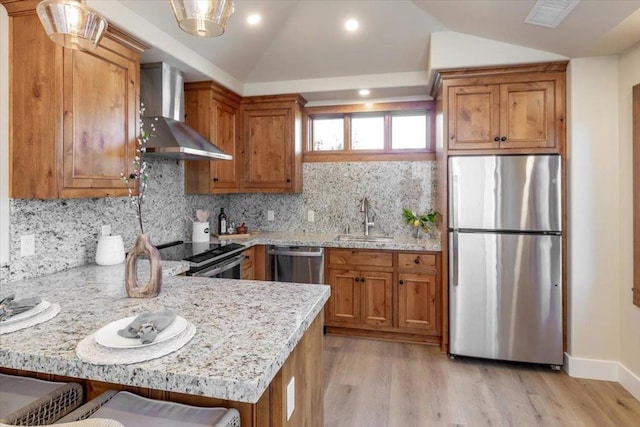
column 46, row 409
column 230, row 419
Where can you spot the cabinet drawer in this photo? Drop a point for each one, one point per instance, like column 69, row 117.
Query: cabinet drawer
column 416, row 261
column 360, row 258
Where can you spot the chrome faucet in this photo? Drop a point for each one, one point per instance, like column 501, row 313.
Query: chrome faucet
column 364, row 207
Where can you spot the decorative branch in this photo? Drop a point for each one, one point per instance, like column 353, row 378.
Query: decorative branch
column 140, row 176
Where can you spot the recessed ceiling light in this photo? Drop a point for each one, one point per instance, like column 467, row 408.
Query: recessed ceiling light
column 254, row 19
column 352, row 25
column 364, row 92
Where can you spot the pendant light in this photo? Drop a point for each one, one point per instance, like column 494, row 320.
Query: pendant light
column 71, row 23
column 202, row 18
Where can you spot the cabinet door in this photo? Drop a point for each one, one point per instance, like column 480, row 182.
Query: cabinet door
column 527, row 112
column 344, row 303
column 417, row 301
column 473, row 113
column 268, row 149
column 223, row 172
column 376, row 294
column 100, row 116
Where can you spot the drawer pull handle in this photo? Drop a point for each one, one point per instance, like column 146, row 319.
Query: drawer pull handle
column 417, row 260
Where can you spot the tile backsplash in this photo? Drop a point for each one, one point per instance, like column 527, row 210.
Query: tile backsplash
column 66, row 231
column 333, row 191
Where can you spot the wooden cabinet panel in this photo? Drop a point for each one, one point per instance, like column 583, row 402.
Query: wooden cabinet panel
column 474, row 117
column 212, row 111
column 99, row 118
column 247, row 272
column 267, row 151
column 416, row 261
column 344, row 304
column 224, row 171
column 73, row 114
column 361, row 258
column 377, row 294
column 417, row 301
column 271, row 143
column 527, row 115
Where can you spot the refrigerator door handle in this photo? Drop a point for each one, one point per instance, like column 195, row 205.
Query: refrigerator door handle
column 454, row 250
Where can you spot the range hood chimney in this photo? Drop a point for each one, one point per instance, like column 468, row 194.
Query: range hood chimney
column 162, row 93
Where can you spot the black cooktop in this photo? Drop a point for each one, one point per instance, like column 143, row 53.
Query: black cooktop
column 198, row 254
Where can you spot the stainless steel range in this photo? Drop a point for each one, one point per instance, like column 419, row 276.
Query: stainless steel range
column 206, row 259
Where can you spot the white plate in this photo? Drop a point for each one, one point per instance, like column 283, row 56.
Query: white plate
column 108, row 336
column 27, row 314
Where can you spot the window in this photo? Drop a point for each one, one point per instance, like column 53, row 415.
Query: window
column 391, row 131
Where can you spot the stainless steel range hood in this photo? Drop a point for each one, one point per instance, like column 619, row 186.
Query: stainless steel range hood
column 162, row 93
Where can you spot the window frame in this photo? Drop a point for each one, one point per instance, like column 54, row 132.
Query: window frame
column 387, row 153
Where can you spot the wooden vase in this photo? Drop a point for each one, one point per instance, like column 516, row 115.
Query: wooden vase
column 143, row 246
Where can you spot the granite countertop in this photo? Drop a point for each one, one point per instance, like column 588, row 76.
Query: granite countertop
column 245, row 329
column 328, row 240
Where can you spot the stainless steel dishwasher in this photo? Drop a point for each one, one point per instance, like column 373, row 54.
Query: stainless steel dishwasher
column 300, row 264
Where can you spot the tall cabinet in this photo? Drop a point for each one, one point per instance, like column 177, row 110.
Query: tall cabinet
column 73, row 114
column 497, row 110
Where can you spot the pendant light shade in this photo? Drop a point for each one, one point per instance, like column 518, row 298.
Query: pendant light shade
column 71, row 23
column 202, row 18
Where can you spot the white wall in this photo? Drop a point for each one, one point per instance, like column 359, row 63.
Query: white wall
column 629, row 75
column 593, row 199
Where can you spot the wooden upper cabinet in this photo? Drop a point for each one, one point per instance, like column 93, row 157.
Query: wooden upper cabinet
column 73, row 114
column 520, row 107
column 474, row 116
column 99, row 120
column 272, row 143
column 213, row 112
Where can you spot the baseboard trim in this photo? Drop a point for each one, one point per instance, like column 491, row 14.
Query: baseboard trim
column 605, row 370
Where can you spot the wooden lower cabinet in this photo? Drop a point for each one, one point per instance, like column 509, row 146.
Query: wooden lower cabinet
column 384, row 294
column 417, row 301
column 247, row 272
column 361, row 297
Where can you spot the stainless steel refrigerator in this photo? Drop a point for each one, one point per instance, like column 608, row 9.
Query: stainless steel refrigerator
column 505, row 258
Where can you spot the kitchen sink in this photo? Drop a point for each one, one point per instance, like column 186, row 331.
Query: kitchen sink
column 362, row 238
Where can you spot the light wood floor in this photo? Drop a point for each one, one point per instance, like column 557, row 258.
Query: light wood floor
column 375, row 383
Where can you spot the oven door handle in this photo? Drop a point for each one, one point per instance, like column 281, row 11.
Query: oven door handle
column 221, row 269
column 295, row 253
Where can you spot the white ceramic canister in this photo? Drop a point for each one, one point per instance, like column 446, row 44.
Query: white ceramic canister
column 200, row 232
column 110, row 250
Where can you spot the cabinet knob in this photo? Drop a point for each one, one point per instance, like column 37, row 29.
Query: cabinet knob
column 401, row 282
column 362, row 279
column 215, row 179
column 496, row 139
column 504, row 138
column 417, row 260
column 288, row 179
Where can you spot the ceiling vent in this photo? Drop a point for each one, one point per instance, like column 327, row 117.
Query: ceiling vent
column 550, row 13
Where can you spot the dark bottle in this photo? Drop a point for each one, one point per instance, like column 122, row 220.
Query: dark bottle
column 222, row 222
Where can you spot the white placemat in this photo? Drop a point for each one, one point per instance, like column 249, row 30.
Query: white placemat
column 48, row 314
column 88, row 350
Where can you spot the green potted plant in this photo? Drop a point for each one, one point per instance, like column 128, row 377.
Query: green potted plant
column 426, row 222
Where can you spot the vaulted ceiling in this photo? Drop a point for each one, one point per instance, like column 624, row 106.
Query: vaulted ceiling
column 302, row 40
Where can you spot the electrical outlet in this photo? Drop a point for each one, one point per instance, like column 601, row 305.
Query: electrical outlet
column 311, row 216
column 27, row 245
column 270, row 216
column 291, row 397
column 106, row 230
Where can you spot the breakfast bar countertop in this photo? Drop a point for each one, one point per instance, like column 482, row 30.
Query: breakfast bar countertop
column 245, row 330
